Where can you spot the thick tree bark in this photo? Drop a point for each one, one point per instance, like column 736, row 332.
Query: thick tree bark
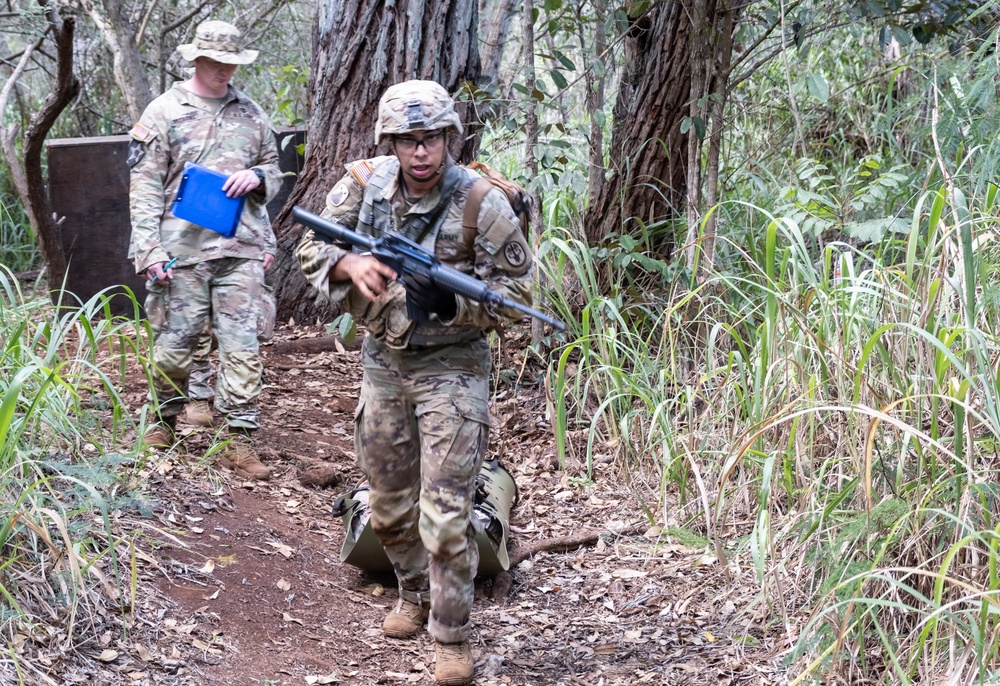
column 495, row 41
column 37, row 202
column 648, row 152
column 361, row 48
column 595, row 102
column 112, row 20
column 531, row 139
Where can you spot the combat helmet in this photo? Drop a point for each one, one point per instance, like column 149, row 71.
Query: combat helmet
column 415, row 106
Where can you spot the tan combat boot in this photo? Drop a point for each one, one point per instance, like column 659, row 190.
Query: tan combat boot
column 161, row 434
column 405, row 620
column 240, row 456
column 199, row 413
column 453, row 663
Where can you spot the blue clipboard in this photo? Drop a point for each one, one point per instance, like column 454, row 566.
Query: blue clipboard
column 200, row 200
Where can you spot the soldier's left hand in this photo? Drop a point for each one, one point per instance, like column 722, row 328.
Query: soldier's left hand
column 268, row 261
column 240, row 183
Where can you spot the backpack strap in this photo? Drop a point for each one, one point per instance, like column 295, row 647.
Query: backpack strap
column 470, row 219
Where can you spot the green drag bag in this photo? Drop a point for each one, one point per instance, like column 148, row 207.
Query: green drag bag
column 495, row 496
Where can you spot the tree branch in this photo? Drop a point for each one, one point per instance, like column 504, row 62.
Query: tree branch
column 10, row 133
column 37, row 202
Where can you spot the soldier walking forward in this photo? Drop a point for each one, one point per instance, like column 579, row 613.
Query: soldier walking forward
column 200, row 277
column 422, row 420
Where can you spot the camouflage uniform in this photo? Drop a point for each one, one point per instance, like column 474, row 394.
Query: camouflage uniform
column 422, row 421
column 200, row 374
column 216, row 279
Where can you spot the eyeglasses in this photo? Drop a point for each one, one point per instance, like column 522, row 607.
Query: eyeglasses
column 431, row 142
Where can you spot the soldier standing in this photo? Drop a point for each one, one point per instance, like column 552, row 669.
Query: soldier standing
column 422, row 420
column 213, row 280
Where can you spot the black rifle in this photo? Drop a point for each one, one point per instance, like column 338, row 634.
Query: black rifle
column 404, row 256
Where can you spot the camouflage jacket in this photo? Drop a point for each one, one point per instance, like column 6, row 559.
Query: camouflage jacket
column 178, row 127
column 502, row 256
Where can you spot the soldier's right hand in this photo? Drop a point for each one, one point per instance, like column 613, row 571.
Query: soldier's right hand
column 156, row 271
column 369, row 275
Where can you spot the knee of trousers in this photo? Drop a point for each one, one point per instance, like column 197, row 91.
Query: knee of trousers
column 446, row 538
column 395, row 515
column 173, row 363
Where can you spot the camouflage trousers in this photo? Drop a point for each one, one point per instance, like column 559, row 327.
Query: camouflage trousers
column 200, row 377
column 224, row 294
column 422, row 427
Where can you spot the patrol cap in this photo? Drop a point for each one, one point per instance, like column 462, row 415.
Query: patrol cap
column 219, row 41
column 415, row 106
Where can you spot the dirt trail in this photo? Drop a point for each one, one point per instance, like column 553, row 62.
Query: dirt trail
column 253, row 591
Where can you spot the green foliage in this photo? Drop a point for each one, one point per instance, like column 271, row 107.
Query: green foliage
column 851, row 384
column 345, row 327
column 290, row 96
column 68, row 464
column 18, row 247
column 859, row 206
column 825, row 403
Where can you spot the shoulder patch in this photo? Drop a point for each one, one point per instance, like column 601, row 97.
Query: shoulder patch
column 362, row 171
column 339, row 194
column 142, row 133
column 498, row 227
column 136, row 151
column 515, row 254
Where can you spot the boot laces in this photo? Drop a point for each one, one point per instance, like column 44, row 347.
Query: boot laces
column 453, row 652
column 408, row 609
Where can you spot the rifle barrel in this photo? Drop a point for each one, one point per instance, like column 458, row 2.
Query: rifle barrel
column 332, row 230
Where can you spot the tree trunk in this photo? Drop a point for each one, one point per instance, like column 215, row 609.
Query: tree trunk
column 360, row 49
column 723, row 52
column 531, row 141
column 37, row 202
column 496, row 40
column 648, row 153
column 595, row 101
column 112, row 20
column 163, row 52
column 700, row 72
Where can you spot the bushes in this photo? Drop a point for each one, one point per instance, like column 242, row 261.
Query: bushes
column 67, row 456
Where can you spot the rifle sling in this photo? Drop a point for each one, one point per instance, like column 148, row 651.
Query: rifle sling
column 419, row 226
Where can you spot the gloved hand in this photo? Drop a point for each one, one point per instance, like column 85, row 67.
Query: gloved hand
column 423, row 294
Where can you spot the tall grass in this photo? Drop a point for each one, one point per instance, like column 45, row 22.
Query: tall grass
column 18, row 247
column 833, row 419
column 68, row 458
column 824, row 407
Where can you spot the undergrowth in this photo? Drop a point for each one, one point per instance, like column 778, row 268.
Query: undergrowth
column 68, row 475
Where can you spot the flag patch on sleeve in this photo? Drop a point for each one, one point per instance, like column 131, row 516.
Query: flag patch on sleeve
column 362, row 171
